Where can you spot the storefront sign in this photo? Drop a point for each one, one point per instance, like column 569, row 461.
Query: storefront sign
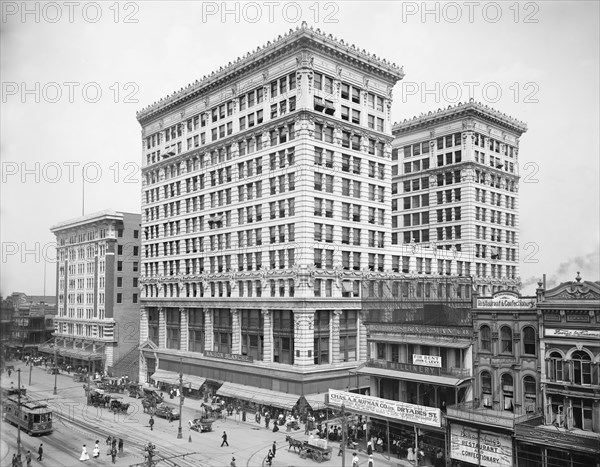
column 506, row 301
column 427, row 360
column 450, row 331
column 375, row 406
column 229, row 356
column 579, row 333
column 480, row 447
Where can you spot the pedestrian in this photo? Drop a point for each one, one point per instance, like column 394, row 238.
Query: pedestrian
column 410, row 456
column 40, row 452
column 15, row 461
column 270, row 457
column 370, row 463
column 120, row 445
column 274, row 448
column 113, row 453
column 224, row 437
column 84, row 454
column 9, row 372
column 28, row 458
column 355, row 460
column 369, row 448
column 96, row 451
column 232, row 463
column 151, row 422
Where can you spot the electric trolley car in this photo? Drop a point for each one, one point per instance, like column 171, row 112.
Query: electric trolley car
column 34, row 417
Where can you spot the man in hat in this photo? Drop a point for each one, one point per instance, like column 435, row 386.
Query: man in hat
column 232, row 463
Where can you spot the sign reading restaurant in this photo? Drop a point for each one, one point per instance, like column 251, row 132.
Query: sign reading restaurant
column 579, row 333
column 375, row 406
column 506, row 302
column 427, row 360
column 229, row 356
column 480, row 447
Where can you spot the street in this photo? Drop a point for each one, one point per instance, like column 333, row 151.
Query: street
column 75, row 423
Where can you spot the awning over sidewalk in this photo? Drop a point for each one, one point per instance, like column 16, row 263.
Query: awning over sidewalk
column 418, row 377
column 171, row 377
column 316, row 401
column 258, row 395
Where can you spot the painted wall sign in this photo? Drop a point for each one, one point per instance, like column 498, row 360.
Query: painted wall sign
column 427, row 360
column 579, row 333
column 506, row 302
column 228, row 356
column 386, row 408
column 479, row 446
column 452, row 331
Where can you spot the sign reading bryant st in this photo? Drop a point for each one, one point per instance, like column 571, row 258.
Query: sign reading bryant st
column 427, row 360
column 506, row 301
column 480, row 447
column 375, row 406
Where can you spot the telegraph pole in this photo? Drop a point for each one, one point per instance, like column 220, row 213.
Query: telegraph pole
column 344, row 430
column 19, row 409
column 55, row 371
column 179, row 433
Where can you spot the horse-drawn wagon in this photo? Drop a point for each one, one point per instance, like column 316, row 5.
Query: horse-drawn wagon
column 315, row 449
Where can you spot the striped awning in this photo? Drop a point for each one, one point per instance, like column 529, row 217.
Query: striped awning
column 258, row 395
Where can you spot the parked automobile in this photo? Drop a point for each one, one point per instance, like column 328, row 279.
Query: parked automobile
column 167, row 411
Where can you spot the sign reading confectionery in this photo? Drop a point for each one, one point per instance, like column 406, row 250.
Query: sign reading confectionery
column 480, row 447
column 506, row 302
column 386, row 408
column 427, row 360
column 579, row 333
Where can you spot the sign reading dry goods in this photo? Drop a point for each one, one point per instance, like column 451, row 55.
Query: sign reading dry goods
column 480, row 447
column 427, row 360
column 506, row 301
column 386, row 408
column 579, row 333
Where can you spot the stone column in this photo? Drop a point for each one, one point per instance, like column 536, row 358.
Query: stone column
column 184, row 330
column 143, row 324
column 361, row 338
column 162, row 328
column 304, row 336
column 236, row 332
column 268, row 336
column 334, row 326
column 209, row 334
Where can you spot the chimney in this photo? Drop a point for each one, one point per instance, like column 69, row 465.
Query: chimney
column 544, row 281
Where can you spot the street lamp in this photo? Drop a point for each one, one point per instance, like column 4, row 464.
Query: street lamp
column 179, row 433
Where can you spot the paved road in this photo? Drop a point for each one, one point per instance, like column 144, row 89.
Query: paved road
column 78, row 424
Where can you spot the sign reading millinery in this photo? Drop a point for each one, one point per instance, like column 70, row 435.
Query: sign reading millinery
column 506, row 301
column 483, row 448
column 580, row 333
column 386, row 408
column 229, row 356
column 427, row 360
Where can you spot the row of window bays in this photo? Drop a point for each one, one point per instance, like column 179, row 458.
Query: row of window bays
column 216, row 118
column 252, row 329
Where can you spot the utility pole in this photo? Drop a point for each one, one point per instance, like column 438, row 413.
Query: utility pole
column 19, row 409
column 55, row 371
column 179, row 433
column 30, row 369
column 344, row 430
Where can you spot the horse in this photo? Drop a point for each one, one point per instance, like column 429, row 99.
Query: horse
column 293, row 443
column 148, row 405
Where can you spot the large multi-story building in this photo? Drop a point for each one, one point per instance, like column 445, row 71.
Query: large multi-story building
column 266, row 194
column 98, row 268
column 568, row 431
column 455, row 180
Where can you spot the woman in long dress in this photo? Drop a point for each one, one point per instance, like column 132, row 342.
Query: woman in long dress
column 96, row 451
column 411, row 454
column 84, row 454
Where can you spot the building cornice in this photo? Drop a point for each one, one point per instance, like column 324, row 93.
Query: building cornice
column 302, row 37
column 459, row 111
column 101, row 216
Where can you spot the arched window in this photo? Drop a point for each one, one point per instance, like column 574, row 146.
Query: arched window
column 582, row 368
column 555, row 367
column 486, row 388
column 507, row 391
column 485, row 338
column 530, row 391
column 506, row 343
column 529, row 347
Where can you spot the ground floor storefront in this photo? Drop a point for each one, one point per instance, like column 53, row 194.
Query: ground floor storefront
column 84, row 355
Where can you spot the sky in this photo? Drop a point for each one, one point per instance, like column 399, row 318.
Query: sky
column 74, row 74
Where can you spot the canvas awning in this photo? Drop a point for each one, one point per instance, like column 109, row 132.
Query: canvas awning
column 406, row 375
column 171, row 377
column 258, row 395
column 316, row 401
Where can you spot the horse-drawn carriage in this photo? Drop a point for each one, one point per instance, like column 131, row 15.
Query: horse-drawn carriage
column 201, row 422
column 118, row 406
column 97, row 397
column 135, row 390
column 316, row 449
column 151, row 399
column 79, row 377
